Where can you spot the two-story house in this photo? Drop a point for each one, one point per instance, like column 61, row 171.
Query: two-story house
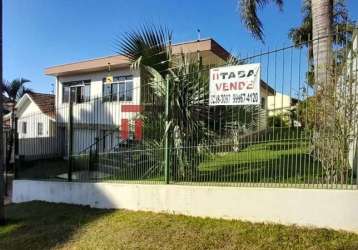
column 98, row 104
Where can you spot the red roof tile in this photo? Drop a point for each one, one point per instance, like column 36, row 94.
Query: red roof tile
column 46, row 103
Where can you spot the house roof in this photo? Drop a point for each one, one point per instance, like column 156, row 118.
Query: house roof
column 45, row 102
column 270, row 90
column 120, row 61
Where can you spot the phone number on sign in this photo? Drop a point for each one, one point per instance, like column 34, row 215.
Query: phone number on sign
column 234, row 98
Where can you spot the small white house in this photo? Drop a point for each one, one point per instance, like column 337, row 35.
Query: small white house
column 98, row 104
column 280, row 104
column 36, row 127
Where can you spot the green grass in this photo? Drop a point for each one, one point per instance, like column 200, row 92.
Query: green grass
column 38, row 225
column 269, row 161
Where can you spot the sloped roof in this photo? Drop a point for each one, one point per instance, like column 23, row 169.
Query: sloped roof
column 46, row 103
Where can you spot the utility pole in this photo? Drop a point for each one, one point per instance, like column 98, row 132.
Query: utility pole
column 2, row 182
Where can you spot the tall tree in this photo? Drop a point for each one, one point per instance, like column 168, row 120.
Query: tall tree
column 342, row 26
column 321, row 18
column 322, row 13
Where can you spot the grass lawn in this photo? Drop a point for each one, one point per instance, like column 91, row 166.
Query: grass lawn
column 38, row 225
column 270, row 161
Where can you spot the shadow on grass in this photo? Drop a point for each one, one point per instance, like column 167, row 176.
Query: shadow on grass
column 42, row 169
column 292, row 168
column 39, row 225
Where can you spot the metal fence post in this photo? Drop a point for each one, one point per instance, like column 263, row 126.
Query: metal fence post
column 70, row 140
column 16, row 150
column 167, row 144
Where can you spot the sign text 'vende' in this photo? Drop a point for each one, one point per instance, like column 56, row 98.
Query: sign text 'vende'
column 235, row 85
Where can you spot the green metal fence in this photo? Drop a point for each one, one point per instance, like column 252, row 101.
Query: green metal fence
column 303, row 134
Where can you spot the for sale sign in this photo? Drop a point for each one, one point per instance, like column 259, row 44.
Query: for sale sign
column 235, row 85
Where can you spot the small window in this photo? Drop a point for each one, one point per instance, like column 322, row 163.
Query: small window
column 263, row 102
column 40, row 128
column 24, row 128
column 66, row 94
column 87, row 92
column 107, row 92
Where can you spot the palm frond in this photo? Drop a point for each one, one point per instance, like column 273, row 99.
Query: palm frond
column 341, row 25
column 148, row 46
column 248, row 12
column 15, row 89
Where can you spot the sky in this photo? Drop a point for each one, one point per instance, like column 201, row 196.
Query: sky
column 44, row 33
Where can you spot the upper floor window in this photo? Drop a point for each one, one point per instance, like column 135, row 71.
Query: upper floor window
column 120, row 90
column 76, row 91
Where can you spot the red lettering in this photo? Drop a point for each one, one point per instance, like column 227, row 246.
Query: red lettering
column 218, row 86
column 225, row 87
column 241, row 85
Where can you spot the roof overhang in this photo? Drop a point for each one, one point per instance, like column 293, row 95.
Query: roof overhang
column 120, row 61
column 93, row 65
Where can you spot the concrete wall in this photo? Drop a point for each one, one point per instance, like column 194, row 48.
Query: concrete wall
column 336, row 209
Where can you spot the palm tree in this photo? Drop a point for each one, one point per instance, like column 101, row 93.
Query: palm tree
column 322, row 15
column 341, row 25
column 149, row 50
column 13, row 90
column 321, row 18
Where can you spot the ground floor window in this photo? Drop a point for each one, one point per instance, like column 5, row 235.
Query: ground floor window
column 24, row 128
column 40, row 128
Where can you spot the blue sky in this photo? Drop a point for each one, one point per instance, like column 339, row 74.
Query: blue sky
column 43, row 33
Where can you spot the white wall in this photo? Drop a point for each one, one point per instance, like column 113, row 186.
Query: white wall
column 278, row 104
column 31, row 144
column 32, row 115
column 97, row 112
column 336, row 209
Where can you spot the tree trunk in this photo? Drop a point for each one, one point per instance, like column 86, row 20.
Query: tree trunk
column 2, row 186
column 324, row 85
column 322, row 40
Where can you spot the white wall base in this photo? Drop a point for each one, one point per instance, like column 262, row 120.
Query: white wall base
column 337, row 209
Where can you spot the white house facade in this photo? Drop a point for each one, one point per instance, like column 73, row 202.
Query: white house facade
column 98, row 104
column 37, row 126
